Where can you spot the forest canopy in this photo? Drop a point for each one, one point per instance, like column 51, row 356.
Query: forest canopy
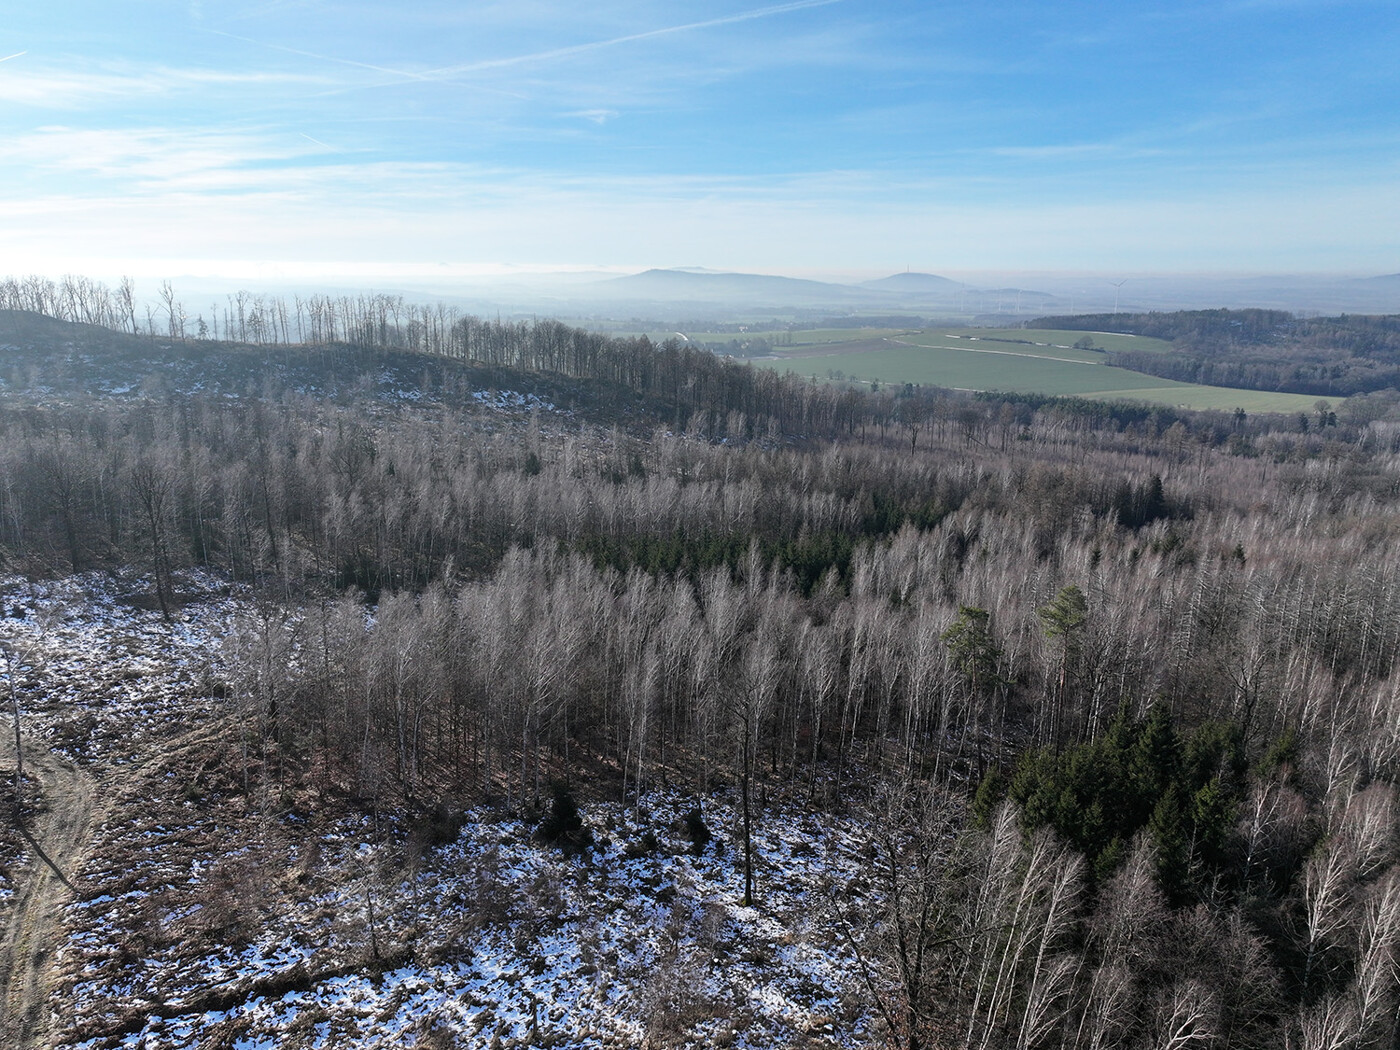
column 1258, row 349
column 1116, row 689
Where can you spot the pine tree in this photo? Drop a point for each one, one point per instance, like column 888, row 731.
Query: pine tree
column 563, row 825
column 1171, row 837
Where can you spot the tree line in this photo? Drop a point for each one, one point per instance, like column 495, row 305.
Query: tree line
column 1258, row 349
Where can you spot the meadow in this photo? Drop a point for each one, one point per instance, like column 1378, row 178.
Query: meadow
column 1014, row 360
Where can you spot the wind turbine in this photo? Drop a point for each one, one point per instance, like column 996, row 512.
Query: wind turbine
column 1117, row 285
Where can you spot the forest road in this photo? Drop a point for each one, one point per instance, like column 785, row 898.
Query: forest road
column 58, row 840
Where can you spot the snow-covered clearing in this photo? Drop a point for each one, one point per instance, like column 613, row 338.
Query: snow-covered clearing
column 100, row 672
column 212, row 911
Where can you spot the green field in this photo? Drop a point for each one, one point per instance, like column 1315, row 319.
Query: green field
column 1049, row 340
column 782, row 339
column 1013, row 359
column 831, row 336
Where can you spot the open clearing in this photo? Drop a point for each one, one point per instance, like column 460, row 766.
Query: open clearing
column 1014, row 360
column 190, row 906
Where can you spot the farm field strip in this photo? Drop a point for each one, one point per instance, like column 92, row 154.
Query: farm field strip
column 1194, row 396
column 1016, row 361
column 961, row 370
column 990, row 350
column 1059, row 338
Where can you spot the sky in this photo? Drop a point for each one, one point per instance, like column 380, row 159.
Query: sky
column 455, row 138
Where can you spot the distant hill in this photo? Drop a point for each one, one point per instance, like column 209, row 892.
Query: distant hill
column 913, row 282
column 21, row 327
column 59, row 360
column 681, row 285
column 694, row 285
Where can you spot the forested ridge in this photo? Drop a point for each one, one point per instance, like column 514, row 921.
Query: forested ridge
column 1113, row 692
column 1258, row 349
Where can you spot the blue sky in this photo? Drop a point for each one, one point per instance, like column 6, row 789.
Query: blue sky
column 310, row 139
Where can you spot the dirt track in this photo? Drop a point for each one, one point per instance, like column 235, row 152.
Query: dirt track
column 59, row 840
column 61, row 834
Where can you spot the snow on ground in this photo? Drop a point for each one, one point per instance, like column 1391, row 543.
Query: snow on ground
column 512, row 401
column 210, row 911
column 98, row 669
column 495, row 939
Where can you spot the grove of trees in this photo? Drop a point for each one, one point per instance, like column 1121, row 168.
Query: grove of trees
column 1259, row 349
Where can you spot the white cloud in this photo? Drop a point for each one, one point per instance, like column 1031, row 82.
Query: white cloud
column 164, row 158
column 49, row 88
column 417, row 215
column 596, row 116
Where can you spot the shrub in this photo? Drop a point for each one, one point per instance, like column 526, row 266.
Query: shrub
column 562, row 825
column 434, row 827
column 645, row 845
column 697, row 831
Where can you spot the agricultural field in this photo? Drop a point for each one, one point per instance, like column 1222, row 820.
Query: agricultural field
column 1050, row 341
column 794, row 339
column 1014, row 360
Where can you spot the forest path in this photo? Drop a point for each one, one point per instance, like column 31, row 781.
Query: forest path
column 58, row 840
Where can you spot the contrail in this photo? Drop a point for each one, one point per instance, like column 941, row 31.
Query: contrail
column 540, row 56
column 15, row 55
column 318, row 142
column 320, row 58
